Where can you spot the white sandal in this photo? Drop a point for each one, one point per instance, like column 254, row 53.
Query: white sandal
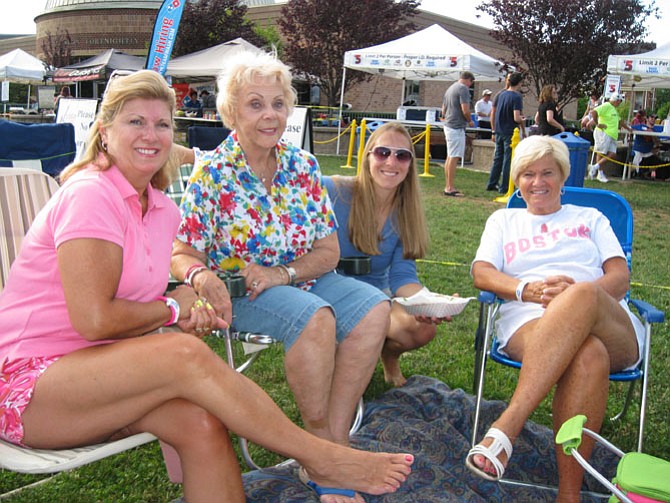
column 500, row 443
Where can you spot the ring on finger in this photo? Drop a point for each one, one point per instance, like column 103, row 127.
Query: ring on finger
column 254, row 285
column 199, row 330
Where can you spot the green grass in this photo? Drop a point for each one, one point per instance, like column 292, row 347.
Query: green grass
column 455, row 227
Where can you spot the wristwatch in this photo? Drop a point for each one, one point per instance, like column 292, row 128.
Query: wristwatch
column 174, row 309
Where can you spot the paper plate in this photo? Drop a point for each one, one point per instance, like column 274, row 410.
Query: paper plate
column 435, row 305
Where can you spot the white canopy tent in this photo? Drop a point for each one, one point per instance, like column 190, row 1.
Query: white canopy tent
column 19, row 66
column 207, row 63
column 646, row 70
column 23, row 68
column 429, row 54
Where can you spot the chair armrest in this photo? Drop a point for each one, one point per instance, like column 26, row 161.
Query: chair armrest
column 570, row 434
column 648, row 312
column 486, row 297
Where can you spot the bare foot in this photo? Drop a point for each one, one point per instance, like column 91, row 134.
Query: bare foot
column 367, row 472
column 392, row 373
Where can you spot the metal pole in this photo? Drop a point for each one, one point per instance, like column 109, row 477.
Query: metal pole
column 339, row 122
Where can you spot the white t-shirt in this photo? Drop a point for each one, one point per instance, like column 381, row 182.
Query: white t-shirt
column 483, row 107
column 574, row 241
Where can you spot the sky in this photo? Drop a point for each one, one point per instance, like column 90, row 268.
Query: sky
column 24, row 11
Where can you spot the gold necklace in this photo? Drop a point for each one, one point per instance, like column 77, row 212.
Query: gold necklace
column 270, row 171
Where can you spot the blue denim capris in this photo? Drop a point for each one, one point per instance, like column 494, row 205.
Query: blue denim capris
column 282, row 312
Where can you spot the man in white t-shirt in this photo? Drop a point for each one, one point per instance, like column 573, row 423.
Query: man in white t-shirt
column 483, row 110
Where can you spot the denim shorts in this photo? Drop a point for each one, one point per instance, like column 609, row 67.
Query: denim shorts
column 17, row 383
column 282, row 312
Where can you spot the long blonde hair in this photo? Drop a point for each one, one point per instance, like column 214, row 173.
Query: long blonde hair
column 407, row 214
column 144, row 84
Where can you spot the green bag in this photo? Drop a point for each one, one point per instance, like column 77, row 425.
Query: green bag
column 644, row 475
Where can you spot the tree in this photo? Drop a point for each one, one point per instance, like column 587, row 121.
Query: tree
column 57, row 49
column 566, row 42
column 317, row 35
column 206, row 23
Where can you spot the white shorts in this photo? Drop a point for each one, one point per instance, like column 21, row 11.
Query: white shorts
column 455, row 142
column 603, row 143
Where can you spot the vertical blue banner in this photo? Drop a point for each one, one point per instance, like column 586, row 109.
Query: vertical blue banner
column 165, row 33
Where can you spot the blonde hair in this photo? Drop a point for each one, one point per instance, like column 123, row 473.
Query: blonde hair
column 243, row 70
column 144, row 84
column 536, row 147
column 407, row 206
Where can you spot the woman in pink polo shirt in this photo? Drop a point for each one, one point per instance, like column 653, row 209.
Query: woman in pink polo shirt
column 83, row 305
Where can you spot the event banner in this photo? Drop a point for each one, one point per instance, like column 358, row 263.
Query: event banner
column 165, row 33
column 409, row 61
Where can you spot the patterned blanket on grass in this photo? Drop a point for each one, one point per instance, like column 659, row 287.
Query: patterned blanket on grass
column 434, row 423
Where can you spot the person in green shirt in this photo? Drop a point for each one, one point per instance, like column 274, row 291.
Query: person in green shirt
column 605, row 134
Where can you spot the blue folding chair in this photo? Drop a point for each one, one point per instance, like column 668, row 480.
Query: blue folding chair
column 206, row 138
column 620, row 215
column 42, row 147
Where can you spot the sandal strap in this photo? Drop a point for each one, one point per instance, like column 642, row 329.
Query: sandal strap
column 500, row 443
column 500, row 440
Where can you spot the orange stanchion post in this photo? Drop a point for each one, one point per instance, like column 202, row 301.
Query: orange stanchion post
column 352, row 142
column 516, row 138
column 361, row 146
column 426, row 156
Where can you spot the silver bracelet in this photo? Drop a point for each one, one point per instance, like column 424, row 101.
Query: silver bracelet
column 290, row 272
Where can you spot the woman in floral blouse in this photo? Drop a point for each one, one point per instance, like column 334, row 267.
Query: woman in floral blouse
column 256, row 205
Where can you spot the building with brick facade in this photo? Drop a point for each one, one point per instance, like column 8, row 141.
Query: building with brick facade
column 97, row 25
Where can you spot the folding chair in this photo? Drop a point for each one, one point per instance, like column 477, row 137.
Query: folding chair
column 620, row 215
column 23, row 193
column 43, row 147
column 640, row 478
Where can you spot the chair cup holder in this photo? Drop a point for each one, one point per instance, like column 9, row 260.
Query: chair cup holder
column 355, row 266
column 235, row 284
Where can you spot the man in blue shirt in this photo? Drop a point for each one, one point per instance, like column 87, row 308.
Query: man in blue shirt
column 508, row 106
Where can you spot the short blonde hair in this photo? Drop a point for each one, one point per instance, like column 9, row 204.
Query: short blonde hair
column 144, row 84
column 243, row 70
column 536, row 147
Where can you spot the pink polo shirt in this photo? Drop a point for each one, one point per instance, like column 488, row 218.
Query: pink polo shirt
column 91, row 204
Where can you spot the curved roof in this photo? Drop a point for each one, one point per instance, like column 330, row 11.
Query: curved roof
column 67, row 5
column 70, row 5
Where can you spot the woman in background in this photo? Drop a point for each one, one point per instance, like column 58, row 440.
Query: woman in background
column 547, row 117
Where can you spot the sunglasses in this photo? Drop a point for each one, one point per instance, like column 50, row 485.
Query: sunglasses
column 383, row 153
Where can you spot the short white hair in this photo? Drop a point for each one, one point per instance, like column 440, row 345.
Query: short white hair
column 536, row 147
column 242, row 70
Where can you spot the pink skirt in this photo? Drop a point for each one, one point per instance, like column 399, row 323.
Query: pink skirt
column 17, row 382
